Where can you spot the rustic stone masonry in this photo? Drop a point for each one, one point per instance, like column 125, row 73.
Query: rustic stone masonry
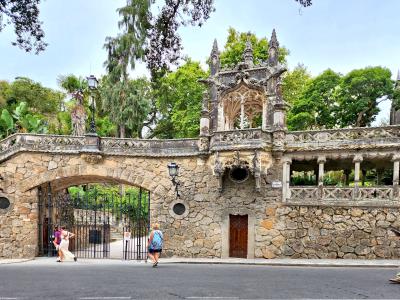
column 236, row 168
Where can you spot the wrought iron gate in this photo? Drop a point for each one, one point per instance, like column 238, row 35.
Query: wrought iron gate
column 105, row 225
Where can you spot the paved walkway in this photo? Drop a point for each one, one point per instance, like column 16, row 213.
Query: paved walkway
column 269, row 262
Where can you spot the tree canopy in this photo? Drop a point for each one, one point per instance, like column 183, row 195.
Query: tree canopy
column 236, row 43
column 24, row 15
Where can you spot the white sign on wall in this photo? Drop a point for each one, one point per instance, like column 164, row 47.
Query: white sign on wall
column 276, row 184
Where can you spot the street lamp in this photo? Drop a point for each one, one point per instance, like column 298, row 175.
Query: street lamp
column 173, row 170
column 92, row 84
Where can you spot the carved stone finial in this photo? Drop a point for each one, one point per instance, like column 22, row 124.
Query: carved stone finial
column 248, row 52
column 273, row 50
column 214, row 59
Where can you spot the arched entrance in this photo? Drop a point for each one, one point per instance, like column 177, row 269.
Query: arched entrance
column 107, row 223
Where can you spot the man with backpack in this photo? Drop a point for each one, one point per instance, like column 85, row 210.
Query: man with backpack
column 155, row 244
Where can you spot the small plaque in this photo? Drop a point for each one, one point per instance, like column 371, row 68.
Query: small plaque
column 276, row 184
column 127, row 236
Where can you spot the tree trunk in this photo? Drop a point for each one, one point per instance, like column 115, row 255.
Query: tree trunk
column 121, row 131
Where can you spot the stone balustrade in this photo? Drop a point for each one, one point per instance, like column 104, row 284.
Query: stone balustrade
column 240, row 139
column 314, row 193
column 22, row 142
column 349, row 138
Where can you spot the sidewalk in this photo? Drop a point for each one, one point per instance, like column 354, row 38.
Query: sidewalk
column 377, row 263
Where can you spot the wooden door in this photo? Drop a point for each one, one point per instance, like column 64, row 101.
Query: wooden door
column 238, row 236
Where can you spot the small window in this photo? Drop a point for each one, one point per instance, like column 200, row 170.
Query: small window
column 4, row 203
column 179, row 209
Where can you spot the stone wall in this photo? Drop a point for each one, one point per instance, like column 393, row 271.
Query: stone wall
column 331, row 232
column 276, row 230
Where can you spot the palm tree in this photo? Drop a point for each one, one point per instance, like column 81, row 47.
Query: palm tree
column 76, row 87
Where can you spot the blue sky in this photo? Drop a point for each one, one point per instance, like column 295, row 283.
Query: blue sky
column 337, row 34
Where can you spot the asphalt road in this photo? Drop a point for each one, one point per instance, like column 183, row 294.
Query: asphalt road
column 88, row 281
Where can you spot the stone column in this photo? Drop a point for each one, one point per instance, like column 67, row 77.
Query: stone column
column 286, row 178
column 321, row 164
column 241, row 114
column 357, row 163
column 264, row 115
column 396, row 165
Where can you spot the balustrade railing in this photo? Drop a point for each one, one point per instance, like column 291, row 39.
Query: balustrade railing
column 240, row 139
column 110, row 146
column 349, row 136
column 379, row 193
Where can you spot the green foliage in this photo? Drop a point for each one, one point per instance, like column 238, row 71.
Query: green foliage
column 104, row 126
column 127, row 102
column 359, row 94
column 20, row 120
column 4, row 93
column 315, row 106
column 236, row 43
column 118, row 199
column 331, row 100
column 179, row 98
column 24, row 16
column 152, row 37
column 39, row 99
column 294, row 83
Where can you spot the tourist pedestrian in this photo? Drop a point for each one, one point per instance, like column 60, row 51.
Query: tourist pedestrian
column 155, row 244
column 64, row 245
column 57, row 241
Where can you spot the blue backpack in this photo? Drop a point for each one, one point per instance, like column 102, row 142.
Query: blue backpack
column 157, row 242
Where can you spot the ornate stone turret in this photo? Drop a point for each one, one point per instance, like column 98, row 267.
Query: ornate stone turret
column 215, row 64
column 273, row 50
column 395, row 113
column 248, row 53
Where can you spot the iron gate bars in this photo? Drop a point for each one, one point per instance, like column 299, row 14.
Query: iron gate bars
column 106, row 225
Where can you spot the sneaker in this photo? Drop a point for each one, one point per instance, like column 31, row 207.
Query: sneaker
column 58, row 259
column 395, row 280
column 75, row 258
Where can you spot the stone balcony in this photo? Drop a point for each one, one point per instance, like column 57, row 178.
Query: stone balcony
column 351, row 196
column 348, row 138
column 240, row 140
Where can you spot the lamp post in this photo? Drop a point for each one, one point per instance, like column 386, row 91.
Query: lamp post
column 92, row 84
column 173, row 170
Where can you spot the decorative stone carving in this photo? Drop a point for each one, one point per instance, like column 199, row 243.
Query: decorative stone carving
column 92, row 158
column 218, row 171
column 204, row 144
column 78, row 119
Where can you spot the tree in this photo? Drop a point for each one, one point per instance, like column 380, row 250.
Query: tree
column 40, row 100
column 179, row 99
column 359, row 94
column 294, row 83
column 24, row 15
column 76, row 87
column 236, row 43
column 127, row 102
column 154, row 38
column 316, row 106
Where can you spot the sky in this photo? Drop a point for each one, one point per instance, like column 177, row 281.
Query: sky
column 339, row 34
